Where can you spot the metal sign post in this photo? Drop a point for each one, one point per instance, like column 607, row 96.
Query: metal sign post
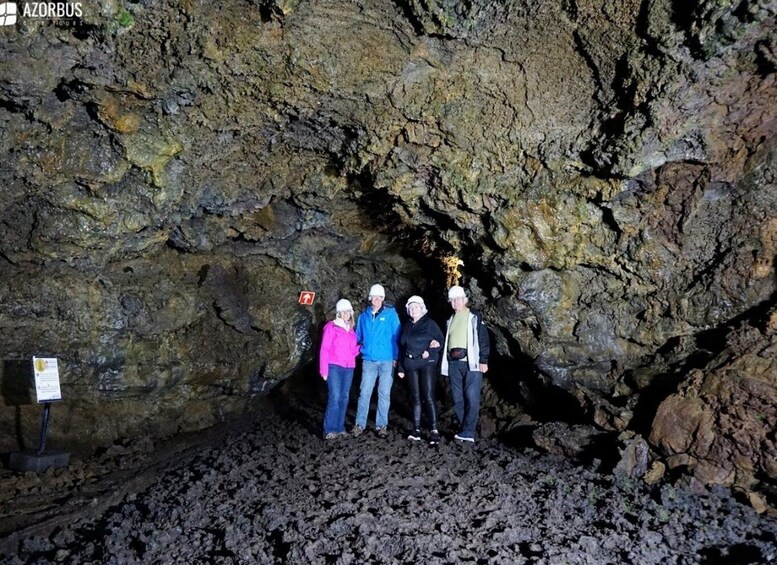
column 44, row 424
column 46, row 374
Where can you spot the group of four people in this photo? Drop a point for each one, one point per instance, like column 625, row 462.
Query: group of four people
column 415, row 351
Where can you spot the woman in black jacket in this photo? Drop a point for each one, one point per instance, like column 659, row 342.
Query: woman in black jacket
column 419, row 352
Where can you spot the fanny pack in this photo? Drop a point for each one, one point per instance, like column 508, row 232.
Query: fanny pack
column 457, row 353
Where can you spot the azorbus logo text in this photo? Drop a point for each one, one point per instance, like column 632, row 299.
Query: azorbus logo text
column 7, row 14
column 52, row 10
column 9, row 11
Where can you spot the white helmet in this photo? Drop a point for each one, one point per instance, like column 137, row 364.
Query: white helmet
column 456, row 292
column 377, row 290
column 416, row 300
column 343, row 306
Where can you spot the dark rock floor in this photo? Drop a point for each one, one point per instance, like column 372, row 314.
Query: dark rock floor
column 277, row 493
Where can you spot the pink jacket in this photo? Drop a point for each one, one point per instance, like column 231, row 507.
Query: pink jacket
column 338, row 347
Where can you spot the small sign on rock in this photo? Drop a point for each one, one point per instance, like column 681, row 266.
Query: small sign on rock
column 306, row 297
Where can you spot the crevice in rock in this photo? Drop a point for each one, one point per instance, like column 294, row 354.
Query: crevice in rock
column 651, row 46
column 708, row 270
column 410, row 16
column 613, row 117
column 687, row 17
column 684, row 13
column 571, row 8
column 589, row 61
column 766, row 56
column 609, row 219
column 269, row 11
column 173, row 242
column 70, row 90
column 12, row 106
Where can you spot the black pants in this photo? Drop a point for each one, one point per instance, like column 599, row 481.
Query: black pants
column 421, row 382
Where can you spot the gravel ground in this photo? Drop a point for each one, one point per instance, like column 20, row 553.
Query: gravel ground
column 277, row 493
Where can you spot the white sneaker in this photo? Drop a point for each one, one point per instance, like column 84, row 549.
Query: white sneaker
column 415, row 435
column 464, row 438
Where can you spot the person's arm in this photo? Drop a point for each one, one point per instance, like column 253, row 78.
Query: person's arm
column 402, row 349
column 359, row 331
column 395, row 331
column 444, row 367
column 484, row 343
column 436, row 334
column 356, row 348
column 325, row 353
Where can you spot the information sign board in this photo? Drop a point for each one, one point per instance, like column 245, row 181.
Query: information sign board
column 46, row 379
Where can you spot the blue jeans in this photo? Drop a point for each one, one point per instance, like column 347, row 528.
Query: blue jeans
column 465, row 390
column 383, row 372
column 338, row 384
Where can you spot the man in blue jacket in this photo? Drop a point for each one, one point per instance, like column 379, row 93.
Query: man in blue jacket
column 377, row 330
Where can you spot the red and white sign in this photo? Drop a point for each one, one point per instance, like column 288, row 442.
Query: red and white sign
column 306, row 297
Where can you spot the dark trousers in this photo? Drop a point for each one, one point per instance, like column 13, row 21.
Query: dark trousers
column 465, row 390
column 421, row 382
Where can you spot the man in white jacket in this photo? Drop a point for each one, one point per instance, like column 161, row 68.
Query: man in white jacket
column 464, row 361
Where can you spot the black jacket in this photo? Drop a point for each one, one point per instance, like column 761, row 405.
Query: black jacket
column 415, row 340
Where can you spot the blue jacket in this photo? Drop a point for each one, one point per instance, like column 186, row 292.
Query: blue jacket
column 379, row 334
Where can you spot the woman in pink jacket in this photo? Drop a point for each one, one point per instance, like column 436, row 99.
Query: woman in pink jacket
column 336, row 363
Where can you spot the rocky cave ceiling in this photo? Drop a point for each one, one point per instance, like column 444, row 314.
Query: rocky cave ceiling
column 176, row 172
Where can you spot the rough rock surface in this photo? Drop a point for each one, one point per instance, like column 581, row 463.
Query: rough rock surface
column 277, row 493
column 176, row 173
column 722, row 423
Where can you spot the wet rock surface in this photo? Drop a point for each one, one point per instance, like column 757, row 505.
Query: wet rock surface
column 277, row 493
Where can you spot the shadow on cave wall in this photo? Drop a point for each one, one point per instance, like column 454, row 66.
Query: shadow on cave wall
column 17, row 391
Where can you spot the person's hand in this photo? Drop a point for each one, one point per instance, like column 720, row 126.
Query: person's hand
column 483, row 367
column 434, row 343
column 324, row 377
column 401, row 375
column 425, row 355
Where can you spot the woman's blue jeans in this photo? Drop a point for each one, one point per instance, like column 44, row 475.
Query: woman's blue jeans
column 338, row 383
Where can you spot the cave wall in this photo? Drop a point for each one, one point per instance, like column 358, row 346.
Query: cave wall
column 178, row 172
